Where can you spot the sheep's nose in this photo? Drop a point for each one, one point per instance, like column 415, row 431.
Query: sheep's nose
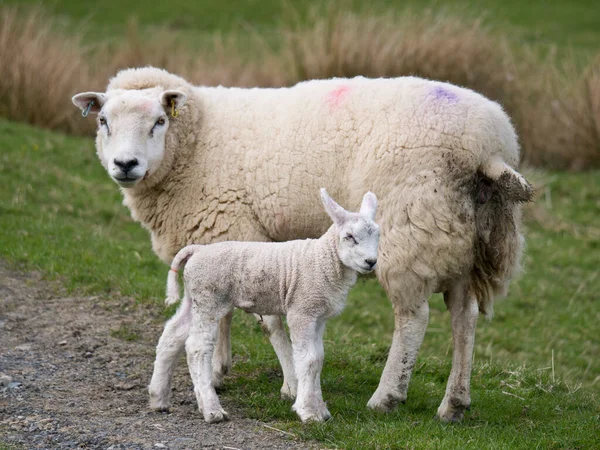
column 126, row 166
column 371, row 262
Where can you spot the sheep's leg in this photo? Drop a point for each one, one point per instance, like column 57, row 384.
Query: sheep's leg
column 464, row 311
column 169, row 349
column 222, row 356
column 410, row 327
column 307, row 343
column 200, row 346
column 274, row 328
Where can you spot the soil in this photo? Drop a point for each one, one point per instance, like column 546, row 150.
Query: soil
column 74, row 375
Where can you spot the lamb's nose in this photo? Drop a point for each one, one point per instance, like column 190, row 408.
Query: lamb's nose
column 126, row 166
column 371, row 262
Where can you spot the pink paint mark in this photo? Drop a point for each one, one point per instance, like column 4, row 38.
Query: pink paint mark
column 335, row 98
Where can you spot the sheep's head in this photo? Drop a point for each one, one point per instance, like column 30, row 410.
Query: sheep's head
column 357, row 233
column 132, row 126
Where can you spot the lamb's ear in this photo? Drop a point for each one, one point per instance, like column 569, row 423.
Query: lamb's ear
column 89, row 102
column 172, row 100
column 368, row 206
column 335, row 211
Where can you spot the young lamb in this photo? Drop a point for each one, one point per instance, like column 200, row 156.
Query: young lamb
column 306, row 280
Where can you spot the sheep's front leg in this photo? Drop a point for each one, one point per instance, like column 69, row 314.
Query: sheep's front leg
column 307, row 344
column 409, row 331
column 222, row 356
column 169, row 349
column 200, row 347
column 464, row 311
column 274, row 328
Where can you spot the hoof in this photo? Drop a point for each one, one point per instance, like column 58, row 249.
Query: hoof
column 385, row 402
column 216, row 416
column 313, row 414
column 452, row 411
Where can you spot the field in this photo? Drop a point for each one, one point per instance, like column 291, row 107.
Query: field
column 537, row 363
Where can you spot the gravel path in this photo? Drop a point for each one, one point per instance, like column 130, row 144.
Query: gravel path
column 66, row 382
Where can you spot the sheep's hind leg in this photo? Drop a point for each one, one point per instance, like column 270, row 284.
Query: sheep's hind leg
column 222, row 356
column 307, row 343
column 410, row 327
column 169, row 349
column 200, row 347
column 274, row 328
column 464, row 311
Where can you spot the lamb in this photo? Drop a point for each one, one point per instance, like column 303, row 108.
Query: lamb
column 306, row 280
column 198, row 165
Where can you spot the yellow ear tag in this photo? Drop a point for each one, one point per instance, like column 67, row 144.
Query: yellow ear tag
column 174, row 112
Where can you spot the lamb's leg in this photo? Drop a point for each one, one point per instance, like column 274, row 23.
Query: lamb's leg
column 463, row 311
column 169, row 349
column 222, row 356
column 307, row 343
column 410, row 327
column 200, row 346
column 274, row 328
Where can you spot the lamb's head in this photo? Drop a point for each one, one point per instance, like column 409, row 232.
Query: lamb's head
column 357, row 233
column 132, row 126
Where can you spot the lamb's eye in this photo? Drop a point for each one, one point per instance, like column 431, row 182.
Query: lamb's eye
column 160, row 121
column 102, row 120
column 350, row 238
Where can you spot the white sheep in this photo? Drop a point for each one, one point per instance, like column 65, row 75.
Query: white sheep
column 305, row 280
column 201, row 164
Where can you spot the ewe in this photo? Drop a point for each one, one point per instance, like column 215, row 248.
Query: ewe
column 200, row 164
column 305, row 280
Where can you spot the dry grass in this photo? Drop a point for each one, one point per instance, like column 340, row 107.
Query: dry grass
column 556, row 109
column 559, row 113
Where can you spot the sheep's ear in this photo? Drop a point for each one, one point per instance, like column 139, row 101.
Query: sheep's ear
column 335, row 211
column 172, row 101
column 368, row 206
column 89, row 102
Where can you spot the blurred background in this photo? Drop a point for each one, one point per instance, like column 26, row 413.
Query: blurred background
column 62, row 216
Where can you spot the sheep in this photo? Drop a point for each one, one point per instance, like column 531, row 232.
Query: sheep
column 305, row 280
column 198, row 165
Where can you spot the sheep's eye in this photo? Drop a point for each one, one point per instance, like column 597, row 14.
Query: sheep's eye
column 160, row 121
column 102, row 120
column 350, row 238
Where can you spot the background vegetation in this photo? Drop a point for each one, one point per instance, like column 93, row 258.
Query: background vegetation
column 537, row 364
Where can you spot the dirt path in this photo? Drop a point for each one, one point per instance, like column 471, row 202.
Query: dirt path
column 67, row 383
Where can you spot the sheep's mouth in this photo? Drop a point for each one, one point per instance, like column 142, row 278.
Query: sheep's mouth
column 366, row 270
column 127, row 181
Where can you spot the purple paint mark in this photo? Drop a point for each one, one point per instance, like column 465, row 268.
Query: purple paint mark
column 439, row 93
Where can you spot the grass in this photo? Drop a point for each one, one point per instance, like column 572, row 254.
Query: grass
column 61, row 215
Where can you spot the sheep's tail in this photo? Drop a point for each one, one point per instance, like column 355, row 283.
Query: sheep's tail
column 172, row 279
column 514, row 185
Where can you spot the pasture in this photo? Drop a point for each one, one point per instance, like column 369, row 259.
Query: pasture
column 537, row 363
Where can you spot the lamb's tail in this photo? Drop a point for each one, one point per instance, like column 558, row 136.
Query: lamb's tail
column 511, row 182
column 172, row 281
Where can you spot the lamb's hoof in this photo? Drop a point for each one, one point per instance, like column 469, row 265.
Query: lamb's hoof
column 287, row 392
column 158, row 407
column 313, row 414
column 217, row 416
column 385, row 402
column 159, row 403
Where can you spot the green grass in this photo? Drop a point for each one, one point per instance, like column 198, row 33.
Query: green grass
column 60, row 214
column 573, row 23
